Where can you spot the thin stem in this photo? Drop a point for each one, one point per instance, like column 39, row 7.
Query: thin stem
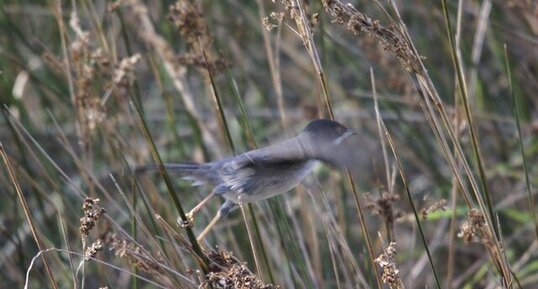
column 412, row 204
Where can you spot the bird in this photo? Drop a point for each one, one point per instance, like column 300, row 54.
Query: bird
column 269, row 171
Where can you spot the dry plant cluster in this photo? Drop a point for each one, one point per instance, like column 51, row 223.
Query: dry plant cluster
column 443, row 93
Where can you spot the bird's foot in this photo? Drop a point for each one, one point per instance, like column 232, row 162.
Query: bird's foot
column 188, row 222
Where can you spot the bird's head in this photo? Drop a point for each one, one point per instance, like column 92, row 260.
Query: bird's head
column 327, row 132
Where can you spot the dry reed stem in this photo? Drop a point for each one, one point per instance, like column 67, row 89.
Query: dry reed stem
column 305, row 23
column 28, row 213
column 146, row 31
column 273, row 57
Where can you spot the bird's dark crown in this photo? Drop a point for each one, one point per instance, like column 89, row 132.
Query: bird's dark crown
column 325, row 129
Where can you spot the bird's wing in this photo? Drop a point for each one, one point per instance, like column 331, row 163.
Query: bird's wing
column 343, row 154
column 297, row 149
column 239, row 172
column 285, row 151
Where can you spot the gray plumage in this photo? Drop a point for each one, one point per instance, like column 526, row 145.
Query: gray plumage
column 262, row 173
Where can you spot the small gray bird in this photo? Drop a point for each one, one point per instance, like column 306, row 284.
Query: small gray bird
column 262, row 173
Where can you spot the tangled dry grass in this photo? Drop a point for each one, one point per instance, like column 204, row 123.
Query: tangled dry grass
column 442, row 93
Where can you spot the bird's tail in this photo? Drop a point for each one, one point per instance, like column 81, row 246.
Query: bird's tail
column 180, row 167
column 199, row 174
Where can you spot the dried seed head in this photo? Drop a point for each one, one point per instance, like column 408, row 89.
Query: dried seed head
column 124, row 73
column 135, row 255
column 189, row 19
column 278, row 16
column 267, row 24
column 474, row 229
column 228, row 273
column 390, row 270
column 198, row 60
column 391, row 38
column 439, row 205
column 92, row 213
column 92, row 251
column 383, row 206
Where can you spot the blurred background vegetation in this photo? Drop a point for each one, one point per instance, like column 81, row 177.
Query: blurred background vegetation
column 88, row 87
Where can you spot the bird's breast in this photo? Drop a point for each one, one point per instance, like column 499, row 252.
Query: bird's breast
column 257, row 182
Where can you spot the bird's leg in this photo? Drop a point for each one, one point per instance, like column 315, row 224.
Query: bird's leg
column 209, row 226
column 190, row 215
column 200, row 205
column 224, row 211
